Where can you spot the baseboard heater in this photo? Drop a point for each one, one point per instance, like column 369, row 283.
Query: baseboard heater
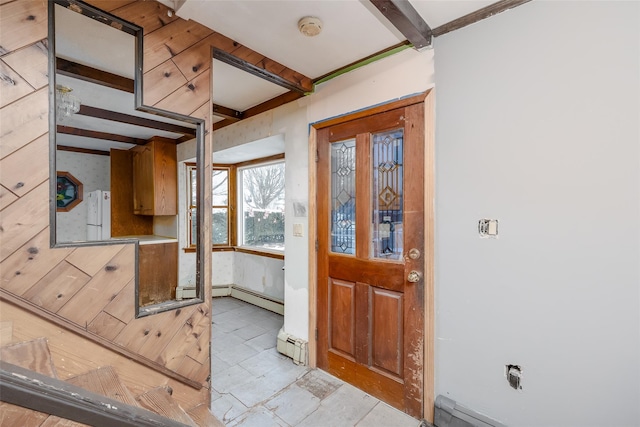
column 292, row 347
column 244, row 294
column 448, row 413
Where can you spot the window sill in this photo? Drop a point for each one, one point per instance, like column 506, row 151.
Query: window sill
column 242, row 249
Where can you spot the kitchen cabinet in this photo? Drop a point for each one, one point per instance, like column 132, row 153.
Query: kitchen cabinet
column 158, row 272
column 155, row 176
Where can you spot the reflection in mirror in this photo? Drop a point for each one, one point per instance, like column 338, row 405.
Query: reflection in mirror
column 126, row 159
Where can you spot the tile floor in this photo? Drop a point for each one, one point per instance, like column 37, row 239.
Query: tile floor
column 255, row 386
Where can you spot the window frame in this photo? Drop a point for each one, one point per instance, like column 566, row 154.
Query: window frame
column 240, row 167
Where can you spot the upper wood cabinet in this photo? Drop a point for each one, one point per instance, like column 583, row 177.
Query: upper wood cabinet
column 155, row 176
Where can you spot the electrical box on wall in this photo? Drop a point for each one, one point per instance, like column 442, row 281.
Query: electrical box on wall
column 488, row 228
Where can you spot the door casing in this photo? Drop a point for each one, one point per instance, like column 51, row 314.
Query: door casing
column 429, row 187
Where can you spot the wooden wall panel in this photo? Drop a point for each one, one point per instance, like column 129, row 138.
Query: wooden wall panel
column 31, row 63
column 189, row 97
column 24, row 219
column 162, row 80
column 12, row 86
column 23, row 121
column 91, row 289
column 26, row 168
column 170, row 40
column 22, row 23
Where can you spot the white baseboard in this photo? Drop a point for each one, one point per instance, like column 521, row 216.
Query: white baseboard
column 238, row 292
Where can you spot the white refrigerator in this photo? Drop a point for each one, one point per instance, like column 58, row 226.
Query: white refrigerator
column 99, row 215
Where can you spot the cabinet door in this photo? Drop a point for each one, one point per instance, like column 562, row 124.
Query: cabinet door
column 165, row 179
column 143, row 177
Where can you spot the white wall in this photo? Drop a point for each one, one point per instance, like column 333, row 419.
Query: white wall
column 538, row 126
column 93, row 172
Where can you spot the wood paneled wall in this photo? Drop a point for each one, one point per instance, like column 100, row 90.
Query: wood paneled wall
column 91, row 289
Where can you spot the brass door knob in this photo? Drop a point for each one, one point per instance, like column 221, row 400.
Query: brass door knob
column 414, row 276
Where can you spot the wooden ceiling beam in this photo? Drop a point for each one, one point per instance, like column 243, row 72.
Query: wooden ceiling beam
column 407, row 20
column 82, row 150
column 227, row 113
column 68, row 130
column 476, row 16
column 114, row 116
column 93, row 75
column 302, row 85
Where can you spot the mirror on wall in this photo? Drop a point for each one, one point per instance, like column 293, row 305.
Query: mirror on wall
column 115, row 165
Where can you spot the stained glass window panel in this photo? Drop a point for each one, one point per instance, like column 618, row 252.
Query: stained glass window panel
column 343, row 197
column 387, row 194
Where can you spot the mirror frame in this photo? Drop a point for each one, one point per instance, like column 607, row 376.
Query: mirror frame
column 106, row 18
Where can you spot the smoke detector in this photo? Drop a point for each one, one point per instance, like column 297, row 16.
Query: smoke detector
column 310, row 26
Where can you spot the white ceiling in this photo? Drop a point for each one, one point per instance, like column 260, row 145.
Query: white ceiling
column 352, row 30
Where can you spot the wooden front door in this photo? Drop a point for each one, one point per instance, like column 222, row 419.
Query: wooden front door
column 370, row 292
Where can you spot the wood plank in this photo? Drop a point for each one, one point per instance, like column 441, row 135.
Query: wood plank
column 53, row 421
column 27, row 167
column 57, row 287
column 197, row 58
column 191, row 367
column 12, row 85
column 190, row 96
column 33, row 355
column 106, row 326
column 31, row 63
column 159, row 400
column 6, row 333
column 91, row 259
column 14, row 415
column 157, row 273
column 87, row 303
column 24, row 219
column 150, row 15
column 123, row 306
column 203, row 417
column 115, row 116
column 23, row 121
column 74, row 354
column 170, row 40
column 30, row 264
column 204, row 112
column 93, row 75
column 6, row 197
column 161, row 82
column 68, row 130
column 137, row 332
column 110, row 5
column 22, row 23
column 185, row 338
column 478, row 15
column 105, row 382
column 407, row 20
column 164, row 331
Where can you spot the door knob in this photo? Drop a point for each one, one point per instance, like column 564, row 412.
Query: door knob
column 414, row 276
column 414, row 253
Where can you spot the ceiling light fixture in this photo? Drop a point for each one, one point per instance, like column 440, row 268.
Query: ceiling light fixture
column 66, row 104
column 310, row 26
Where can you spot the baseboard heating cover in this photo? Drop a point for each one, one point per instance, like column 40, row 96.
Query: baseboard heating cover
column 247, row 295
column 451, row 414
column 292, row 347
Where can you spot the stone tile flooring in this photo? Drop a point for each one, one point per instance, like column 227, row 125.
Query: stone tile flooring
column 255, row 386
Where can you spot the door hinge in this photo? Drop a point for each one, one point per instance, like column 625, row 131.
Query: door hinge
column 316, row 334
column 317, row 156
column 316, row 245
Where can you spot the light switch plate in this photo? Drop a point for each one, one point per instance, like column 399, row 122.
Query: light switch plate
column 297, row 230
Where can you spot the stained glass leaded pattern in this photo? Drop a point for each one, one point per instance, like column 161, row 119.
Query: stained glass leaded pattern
column 343, row 197
column 387, row 192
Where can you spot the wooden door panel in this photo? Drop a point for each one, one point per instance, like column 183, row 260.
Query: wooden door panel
column 342, row 323
column 370, row 215
column 387, row 331
column 384, row 275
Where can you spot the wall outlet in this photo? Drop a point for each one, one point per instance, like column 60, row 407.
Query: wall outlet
column 514, row 376
column 488, row 228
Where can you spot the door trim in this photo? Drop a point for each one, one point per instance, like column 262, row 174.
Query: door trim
column 429, row 187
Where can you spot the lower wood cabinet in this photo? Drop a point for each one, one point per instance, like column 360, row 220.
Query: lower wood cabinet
column 158, row 270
